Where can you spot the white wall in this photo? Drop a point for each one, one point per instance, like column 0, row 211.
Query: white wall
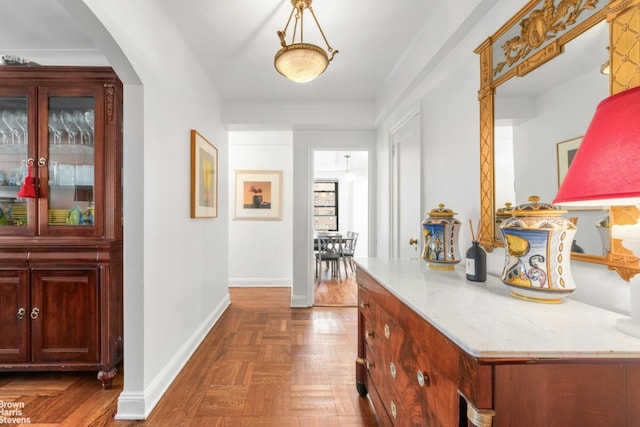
column 175, row 267
column 563, row 113
column 260, row 252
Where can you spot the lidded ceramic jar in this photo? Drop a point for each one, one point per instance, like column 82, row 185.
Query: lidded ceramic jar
column 440, row 231
column 502, row 214
column 538, row 251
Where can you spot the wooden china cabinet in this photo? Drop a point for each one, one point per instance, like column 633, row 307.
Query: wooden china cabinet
column 61, row 245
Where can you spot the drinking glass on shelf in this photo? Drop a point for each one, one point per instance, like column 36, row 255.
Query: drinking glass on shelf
column 56, row 128
column 5, row 133
column 89, row 118
column 66, row 118
column 21, row 121
column 9, row 120
column 85, row 131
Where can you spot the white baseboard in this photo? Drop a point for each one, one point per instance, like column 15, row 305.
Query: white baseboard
column 251, row 282
column 138, row 405
column 131, row 406
column 301, row 301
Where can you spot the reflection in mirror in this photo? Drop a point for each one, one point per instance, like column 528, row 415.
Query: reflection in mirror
column 551, row 104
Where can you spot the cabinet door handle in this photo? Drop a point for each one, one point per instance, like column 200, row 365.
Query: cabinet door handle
column 42, row 162
column 369, row 334
column 363, row 304
column 21, row 313
column 35, row 313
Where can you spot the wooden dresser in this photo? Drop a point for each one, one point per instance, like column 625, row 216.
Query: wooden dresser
column 437, row 350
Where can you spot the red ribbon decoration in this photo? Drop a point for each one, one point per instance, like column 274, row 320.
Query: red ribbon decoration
column 28, row 189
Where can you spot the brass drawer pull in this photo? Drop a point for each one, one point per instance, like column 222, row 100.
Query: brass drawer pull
column 35, row 313
column 392, row 368
column 364, row 362
column 21, row 313
column 387, row 331
column 423, row 379
column 394, row 410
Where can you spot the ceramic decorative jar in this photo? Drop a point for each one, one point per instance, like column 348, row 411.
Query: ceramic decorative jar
column 502, row 214
column 440, row 231
column 538, row 251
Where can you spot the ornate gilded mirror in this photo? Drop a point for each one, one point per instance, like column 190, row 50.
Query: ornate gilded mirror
column 542, row 75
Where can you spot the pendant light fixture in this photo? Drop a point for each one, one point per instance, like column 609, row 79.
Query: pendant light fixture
column 348, row 176
column 299, row 61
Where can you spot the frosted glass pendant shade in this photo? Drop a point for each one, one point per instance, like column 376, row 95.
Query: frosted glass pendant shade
column 301, row 62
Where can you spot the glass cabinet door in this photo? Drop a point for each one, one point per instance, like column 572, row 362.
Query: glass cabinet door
column 15, row 149
column 71, row 161
column 69, row 141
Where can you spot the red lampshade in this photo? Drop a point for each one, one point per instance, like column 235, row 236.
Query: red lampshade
column 606, row 168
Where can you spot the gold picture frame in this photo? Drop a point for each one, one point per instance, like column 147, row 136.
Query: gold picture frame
column 204, row 177
column 565, row 151
column 258, row 195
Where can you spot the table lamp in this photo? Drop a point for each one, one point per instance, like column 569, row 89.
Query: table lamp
column 606, row 172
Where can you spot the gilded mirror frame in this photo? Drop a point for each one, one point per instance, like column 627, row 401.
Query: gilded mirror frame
column 545, row 27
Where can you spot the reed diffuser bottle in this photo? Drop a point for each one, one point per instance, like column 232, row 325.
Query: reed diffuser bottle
column 476, row 259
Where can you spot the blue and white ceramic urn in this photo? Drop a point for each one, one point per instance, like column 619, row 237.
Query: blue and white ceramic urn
column 440, row 231
column 538, row 251
column 502, row 214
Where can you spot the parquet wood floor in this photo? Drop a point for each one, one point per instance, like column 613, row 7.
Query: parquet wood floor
column 263, row 364
column 329, row 292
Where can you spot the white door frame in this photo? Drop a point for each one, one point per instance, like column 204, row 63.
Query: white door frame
column 394, row 182
column 305, row 143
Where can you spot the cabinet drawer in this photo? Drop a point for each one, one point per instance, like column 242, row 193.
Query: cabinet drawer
column 386, row 345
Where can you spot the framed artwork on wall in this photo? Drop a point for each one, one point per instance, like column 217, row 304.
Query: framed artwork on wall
column 204, row 177
column 258, row 195
column 565, row 151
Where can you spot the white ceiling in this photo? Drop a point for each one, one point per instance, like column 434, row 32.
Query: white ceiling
column 236, row 41
column 335, row 161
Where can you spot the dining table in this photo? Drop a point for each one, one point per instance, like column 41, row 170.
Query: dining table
column 343, row 237
column 343, row 240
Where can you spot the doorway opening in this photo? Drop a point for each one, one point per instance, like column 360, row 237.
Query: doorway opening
column 344, row 210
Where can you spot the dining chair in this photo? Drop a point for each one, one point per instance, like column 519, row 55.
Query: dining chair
column 330, row 252
column 348, row 250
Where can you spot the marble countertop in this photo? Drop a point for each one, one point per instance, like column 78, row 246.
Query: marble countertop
column 486, row 322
